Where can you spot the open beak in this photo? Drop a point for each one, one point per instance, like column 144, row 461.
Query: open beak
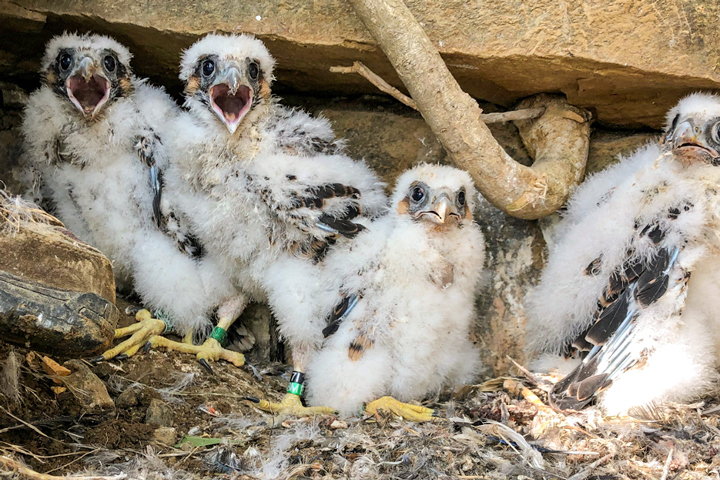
column 688, row 144
column 88, row 89
column 442, row 210
column 231, row 98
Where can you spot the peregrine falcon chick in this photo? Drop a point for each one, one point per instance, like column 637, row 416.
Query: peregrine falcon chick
column 631, row 288
column 407, row 288
column 93, row 130
column 266, row 188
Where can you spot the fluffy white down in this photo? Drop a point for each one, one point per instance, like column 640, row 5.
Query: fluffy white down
column 102, row 191
column 83, row 42
column 600, row 222
column 701, row 103
column 681, row 344
column 420, row 330
column 235, row 191
column 228, row 46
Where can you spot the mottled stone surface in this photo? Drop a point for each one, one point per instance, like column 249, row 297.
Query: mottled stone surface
column 159, row 413
column 87, row 388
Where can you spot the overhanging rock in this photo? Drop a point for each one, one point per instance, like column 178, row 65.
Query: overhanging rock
column 628, row 61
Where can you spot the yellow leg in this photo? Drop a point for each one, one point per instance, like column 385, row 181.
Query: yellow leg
column 414, row 413
column 149, row 330
column 202, row 351
column 140, row 333
column 213, row 351
column 291, row 405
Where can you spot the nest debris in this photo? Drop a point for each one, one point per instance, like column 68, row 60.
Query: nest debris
column 494, row 430
column 15, row 211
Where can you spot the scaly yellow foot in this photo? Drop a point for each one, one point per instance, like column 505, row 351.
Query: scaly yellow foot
column 290, row 405
column 210, row 350
column 141, row 332
column 414, row 413
column 213, row 351
column 148, row 331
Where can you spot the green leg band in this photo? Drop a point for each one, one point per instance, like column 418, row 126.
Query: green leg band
column 295, row 388
column 220, row 335
column 160, row 315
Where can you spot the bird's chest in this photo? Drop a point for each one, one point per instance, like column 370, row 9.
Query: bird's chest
column 84, row 145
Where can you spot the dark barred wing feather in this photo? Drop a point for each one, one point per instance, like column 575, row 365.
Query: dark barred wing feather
column 632, row 288
column 321, row 214
column 147, row 150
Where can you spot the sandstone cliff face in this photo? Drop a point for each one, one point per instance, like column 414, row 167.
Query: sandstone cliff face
column 627, row 61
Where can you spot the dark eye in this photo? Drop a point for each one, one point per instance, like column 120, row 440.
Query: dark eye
column 461, row 198
column 65, row 61
column 715, row 132
column 208, row 67
column 674, row 122
column 253, row 70
column 418, row 194
column 109, row 62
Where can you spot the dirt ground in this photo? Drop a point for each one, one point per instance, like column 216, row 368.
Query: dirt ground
column 492, row 430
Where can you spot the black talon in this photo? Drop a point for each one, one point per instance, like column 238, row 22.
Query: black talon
column 436, row 413
column 207, row 366
column 146, row 348
column 252, row 399
column 121, row 357
column 97, row 360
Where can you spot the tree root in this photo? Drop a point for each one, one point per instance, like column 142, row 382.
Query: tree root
column 558, row 140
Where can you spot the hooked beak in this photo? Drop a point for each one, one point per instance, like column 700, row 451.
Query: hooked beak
column 230, row 98
column 87, row 88
column 688, row 144
column 442, row 210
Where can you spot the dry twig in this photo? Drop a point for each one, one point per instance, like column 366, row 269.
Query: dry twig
column 29, row 425
column 498, row 117
column 14, row 211
column 12, row 466
column 372, row 77
column 666, row 467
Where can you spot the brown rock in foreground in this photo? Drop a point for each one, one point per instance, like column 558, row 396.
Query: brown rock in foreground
column 55, row 321
column 159, row 413
column 57, row 294
column 87, row 388
column 55, row 257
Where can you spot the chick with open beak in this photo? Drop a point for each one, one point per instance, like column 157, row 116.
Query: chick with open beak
column 694, row 136
column 90, row 78
column 227, row 84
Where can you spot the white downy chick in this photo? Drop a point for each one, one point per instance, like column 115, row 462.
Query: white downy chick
column 267, row 189
column 93, row 130
column 631, row 287
column 408, row 285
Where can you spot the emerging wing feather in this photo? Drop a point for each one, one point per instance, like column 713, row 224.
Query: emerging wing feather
column 317, row 216
column 339, row 313
column 632, row 288
column 147, row 149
